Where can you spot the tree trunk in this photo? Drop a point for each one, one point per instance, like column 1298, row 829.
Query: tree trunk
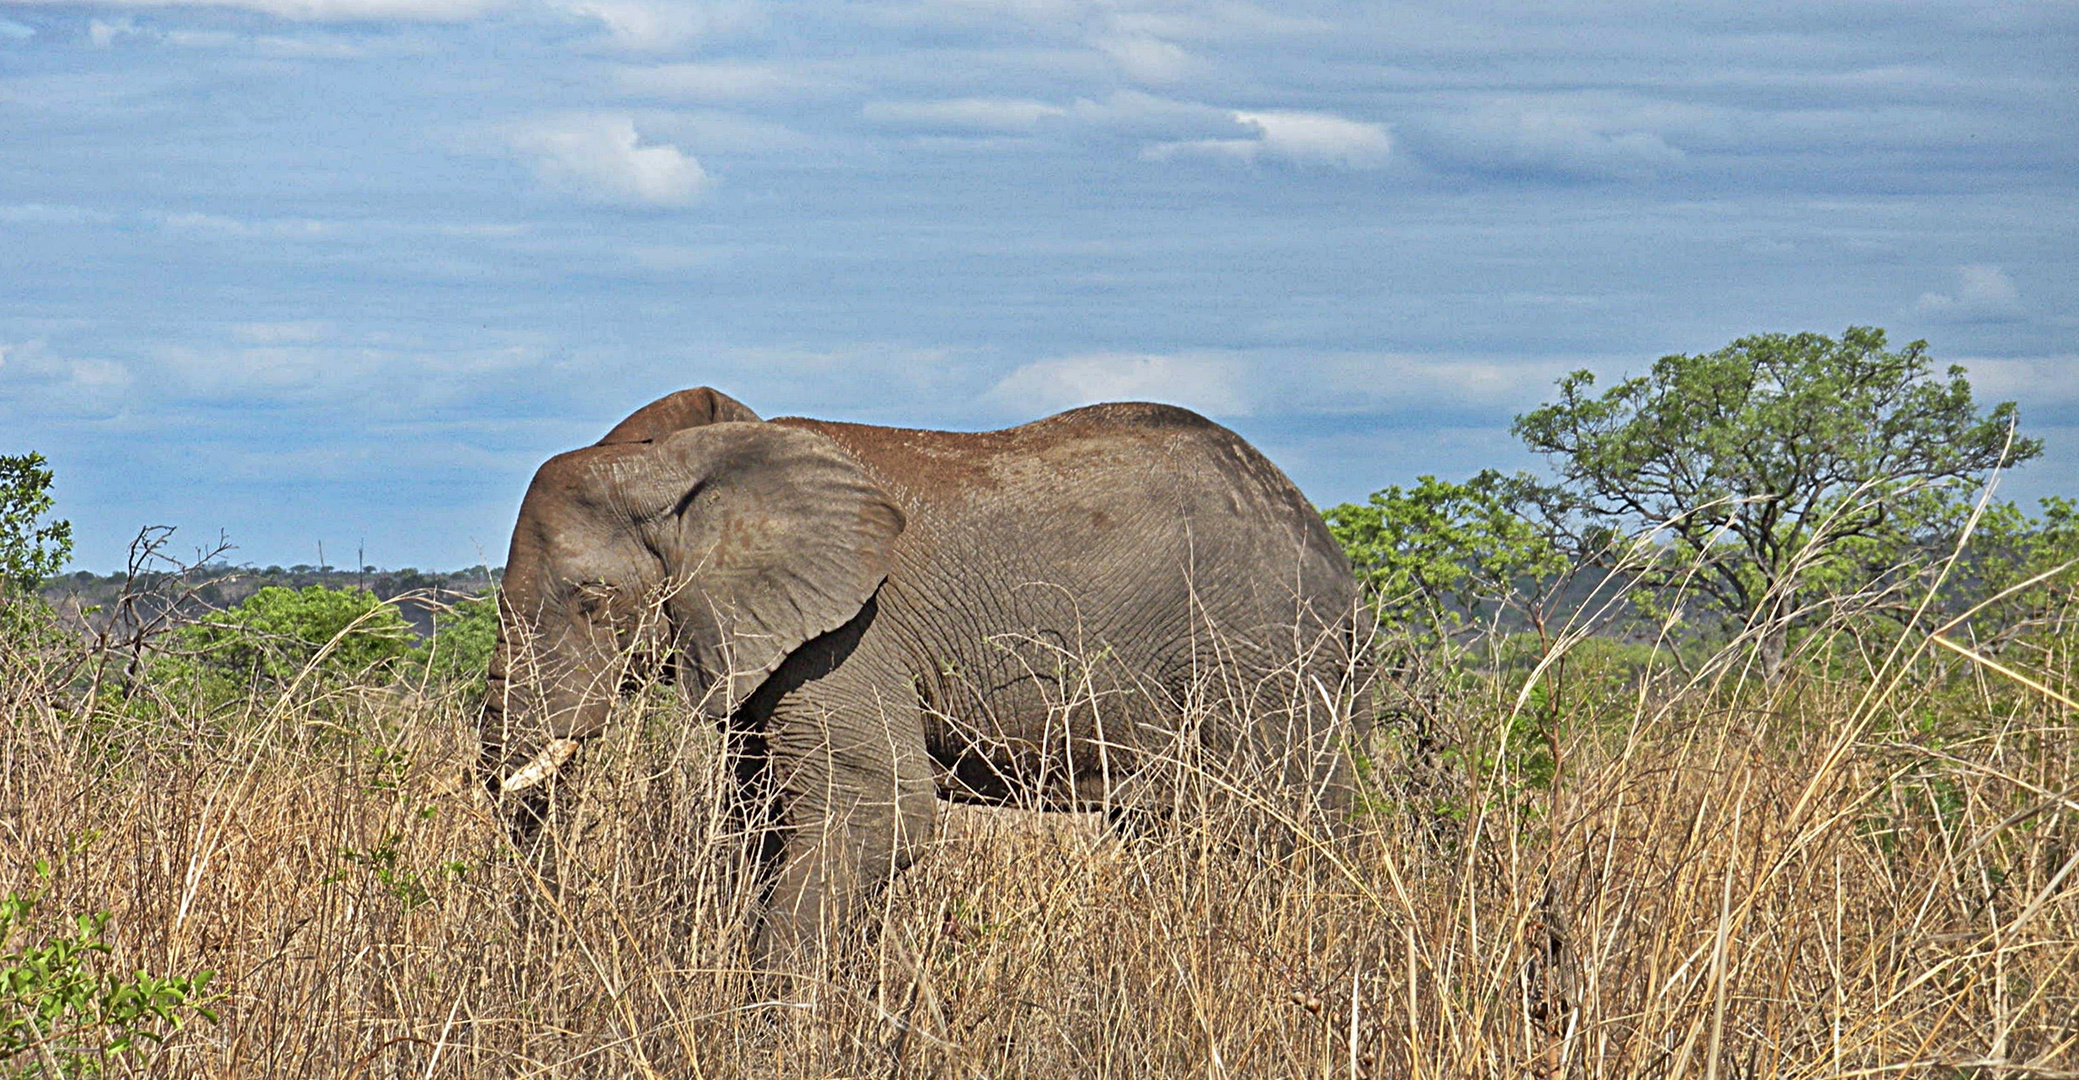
column 1775, row 638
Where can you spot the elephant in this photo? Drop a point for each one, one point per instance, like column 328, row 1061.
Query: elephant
column 878, row 618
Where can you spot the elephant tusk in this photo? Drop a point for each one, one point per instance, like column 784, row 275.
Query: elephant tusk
column 542, row 767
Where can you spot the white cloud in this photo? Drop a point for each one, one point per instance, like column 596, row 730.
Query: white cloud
column 1321, row 138
column 1278, row 383
column 1392, row 382
column 1234, row 149
column 319, row 10
column 656, row 25
column 306, row 362
column 100, row 376
column 198, row 39
column 1580, row 138
column 103, row 34
column 1210, row 384
column 1219, row 20
column 1983, row 293
column 1035, row 12
column 717, row 130
column 1148, row 59
column 967, row 114
column 284, row 333
column 1309, row 138
column 15, row 31
column 1199, row 20
column 872, row 382
column 2036, row 382
column 1133, row 113
column 721, row 81
column 267, row 371
column 46, row 214
column 601, row 157
column 60, row 384
column 279, row 228
column 316, row 48
column 1176, row 128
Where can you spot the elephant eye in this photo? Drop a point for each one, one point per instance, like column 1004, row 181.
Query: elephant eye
column 593, row 595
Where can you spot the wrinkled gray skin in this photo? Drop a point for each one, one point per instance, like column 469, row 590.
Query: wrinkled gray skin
column 881, row 616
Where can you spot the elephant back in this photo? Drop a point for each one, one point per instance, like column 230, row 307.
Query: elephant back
column 1042, row 527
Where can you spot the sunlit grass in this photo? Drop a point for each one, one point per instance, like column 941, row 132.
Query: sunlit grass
column 1867, row 873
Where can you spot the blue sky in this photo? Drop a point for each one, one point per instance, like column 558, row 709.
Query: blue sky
column 345, row 271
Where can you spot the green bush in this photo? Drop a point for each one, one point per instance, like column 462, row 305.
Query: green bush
column 2025, row 571
column 32, row 641
column 1441, row 555
column 325, row 637
column 279, row 635
column 463, row 637
column 64, row 1014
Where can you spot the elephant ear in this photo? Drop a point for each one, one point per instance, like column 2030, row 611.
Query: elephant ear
column 698, row 407
column 772, row 536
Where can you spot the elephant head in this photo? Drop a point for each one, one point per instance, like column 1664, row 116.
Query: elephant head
column 693, row 531
column 698, row 407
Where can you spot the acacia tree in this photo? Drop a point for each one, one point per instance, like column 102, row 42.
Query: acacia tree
column 29, row 550
column 1772, row 463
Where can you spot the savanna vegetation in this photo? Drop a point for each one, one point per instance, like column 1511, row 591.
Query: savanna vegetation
column 1740, row 744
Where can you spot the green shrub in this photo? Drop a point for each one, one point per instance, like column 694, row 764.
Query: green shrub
column 2025, row 570
column 1441, row 555
column 279, row 634
column 64, row 1014
column 463, row 637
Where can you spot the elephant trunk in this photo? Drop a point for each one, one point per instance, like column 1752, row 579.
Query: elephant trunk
column 494, row 733
column 538, row 704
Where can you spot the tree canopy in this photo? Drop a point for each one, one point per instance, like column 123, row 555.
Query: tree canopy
column 1772, row 461
column 1440, row 552
column 30, row 549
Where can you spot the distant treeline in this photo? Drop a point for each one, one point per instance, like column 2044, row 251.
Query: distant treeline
column 419, row 593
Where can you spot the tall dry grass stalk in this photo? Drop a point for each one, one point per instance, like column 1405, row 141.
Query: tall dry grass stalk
column 1837, row 877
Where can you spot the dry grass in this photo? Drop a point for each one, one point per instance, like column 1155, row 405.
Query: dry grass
column 1849, row 878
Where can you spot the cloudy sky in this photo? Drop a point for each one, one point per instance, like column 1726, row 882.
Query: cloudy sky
column 345, row 271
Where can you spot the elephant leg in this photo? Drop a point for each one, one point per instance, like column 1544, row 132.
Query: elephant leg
column 857, row 796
